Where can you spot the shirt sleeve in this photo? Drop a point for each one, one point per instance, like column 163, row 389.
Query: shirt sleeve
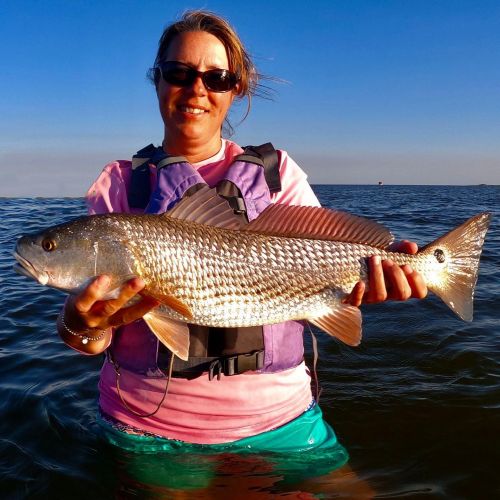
column 109, row 192
column 295, row 190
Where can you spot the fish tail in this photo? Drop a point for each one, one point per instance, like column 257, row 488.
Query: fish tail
column 459, row 251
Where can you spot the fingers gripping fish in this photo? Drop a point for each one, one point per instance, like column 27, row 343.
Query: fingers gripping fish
column 207, row 267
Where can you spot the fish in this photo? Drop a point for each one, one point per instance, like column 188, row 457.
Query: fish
column 207, row 266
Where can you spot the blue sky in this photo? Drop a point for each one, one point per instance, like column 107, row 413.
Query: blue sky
column 404, row 91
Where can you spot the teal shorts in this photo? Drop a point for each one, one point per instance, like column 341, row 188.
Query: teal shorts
column 305, row 447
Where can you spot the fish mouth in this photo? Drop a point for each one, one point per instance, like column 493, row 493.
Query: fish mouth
column 25, row 268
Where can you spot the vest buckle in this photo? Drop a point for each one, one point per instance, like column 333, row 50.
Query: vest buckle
column 215, row 368
column 234, row 365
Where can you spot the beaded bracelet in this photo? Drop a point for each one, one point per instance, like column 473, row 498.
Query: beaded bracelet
column 85, row 338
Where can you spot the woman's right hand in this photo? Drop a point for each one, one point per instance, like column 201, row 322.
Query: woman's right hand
column 88, row 312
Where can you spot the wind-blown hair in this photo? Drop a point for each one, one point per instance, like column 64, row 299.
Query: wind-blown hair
column 239, row 59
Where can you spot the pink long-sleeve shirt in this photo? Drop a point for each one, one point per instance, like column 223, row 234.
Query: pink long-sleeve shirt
column 200, row 410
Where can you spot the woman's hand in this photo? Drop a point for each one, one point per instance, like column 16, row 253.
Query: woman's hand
column 89, row 315
column 388, row 281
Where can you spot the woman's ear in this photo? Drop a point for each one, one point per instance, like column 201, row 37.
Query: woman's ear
column 234, row 93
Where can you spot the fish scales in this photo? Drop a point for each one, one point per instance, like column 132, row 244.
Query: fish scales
column 231, row 278
column 283, row 266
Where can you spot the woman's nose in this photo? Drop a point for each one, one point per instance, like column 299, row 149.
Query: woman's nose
column 199, row 87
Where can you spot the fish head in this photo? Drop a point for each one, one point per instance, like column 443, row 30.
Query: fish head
column 70, row 255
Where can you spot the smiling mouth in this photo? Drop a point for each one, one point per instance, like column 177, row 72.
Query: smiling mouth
column 192, row 110
column 25, row 268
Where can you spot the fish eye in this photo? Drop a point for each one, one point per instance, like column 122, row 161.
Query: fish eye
column 439, row 254
column 48, row 245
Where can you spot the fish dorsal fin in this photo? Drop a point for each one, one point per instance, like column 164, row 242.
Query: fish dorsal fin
column 319, row 224
column 342, row 321
column 205, row 206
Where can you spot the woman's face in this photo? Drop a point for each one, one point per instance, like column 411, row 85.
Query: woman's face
column 193, row 116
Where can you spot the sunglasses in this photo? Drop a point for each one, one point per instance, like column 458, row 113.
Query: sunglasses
column 181, row 75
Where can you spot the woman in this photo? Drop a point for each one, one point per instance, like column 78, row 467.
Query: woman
column 200, row 68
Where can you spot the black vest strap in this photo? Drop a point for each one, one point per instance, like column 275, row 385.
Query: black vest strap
column 168, row 160
column 218, row 365
column 269, row 158
column 232, row 194
column 140, row 189
column 264, row 155
column 226, row 350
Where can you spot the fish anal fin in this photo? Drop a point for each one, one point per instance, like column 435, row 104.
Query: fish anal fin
column 320, row 224
column 171, row 333
column 342, row 321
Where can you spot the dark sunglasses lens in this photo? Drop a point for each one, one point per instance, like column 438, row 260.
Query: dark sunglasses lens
column 178, row 75
column 219, row 80
column 216, row 80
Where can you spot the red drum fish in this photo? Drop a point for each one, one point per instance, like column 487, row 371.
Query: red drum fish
column 208, row 267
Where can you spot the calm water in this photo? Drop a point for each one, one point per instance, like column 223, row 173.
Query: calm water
column 417, row 404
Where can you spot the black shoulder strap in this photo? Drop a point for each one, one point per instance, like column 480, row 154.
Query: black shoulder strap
column 269, row 159
column 139, row 191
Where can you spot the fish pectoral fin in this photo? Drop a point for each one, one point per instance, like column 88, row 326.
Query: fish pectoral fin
column 172, row 334
column 343, row 321
column 173, row 303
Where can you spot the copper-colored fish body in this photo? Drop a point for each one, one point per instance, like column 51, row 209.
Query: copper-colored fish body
column 206, row 268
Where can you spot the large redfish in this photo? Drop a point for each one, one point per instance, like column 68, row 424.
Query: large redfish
column 209, row 268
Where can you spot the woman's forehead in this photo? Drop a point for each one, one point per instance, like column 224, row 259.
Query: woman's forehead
column 199, row 49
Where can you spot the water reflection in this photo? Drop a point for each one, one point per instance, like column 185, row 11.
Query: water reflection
column 231, row 476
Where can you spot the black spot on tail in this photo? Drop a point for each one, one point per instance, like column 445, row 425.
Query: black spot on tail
column 439, row 254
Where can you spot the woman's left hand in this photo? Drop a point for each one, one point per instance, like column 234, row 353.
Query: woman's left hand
column 388, row 281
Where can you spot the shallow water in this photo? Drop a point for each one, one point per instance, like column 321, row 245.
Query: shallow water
column 417, row 404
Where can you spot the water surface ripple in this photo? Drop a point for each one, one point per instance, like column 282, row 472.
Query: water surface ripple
column 417, row 404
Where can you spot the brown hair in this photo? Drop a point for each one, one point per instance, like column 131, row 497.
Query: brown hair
column 239, row 59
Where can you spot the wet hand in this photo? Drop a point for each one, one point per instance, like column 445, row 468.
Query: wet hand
column 388, row 281
column 88, row 310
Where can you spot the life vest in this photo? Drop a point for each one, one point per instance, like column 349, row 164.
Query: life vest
column 247, row 186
